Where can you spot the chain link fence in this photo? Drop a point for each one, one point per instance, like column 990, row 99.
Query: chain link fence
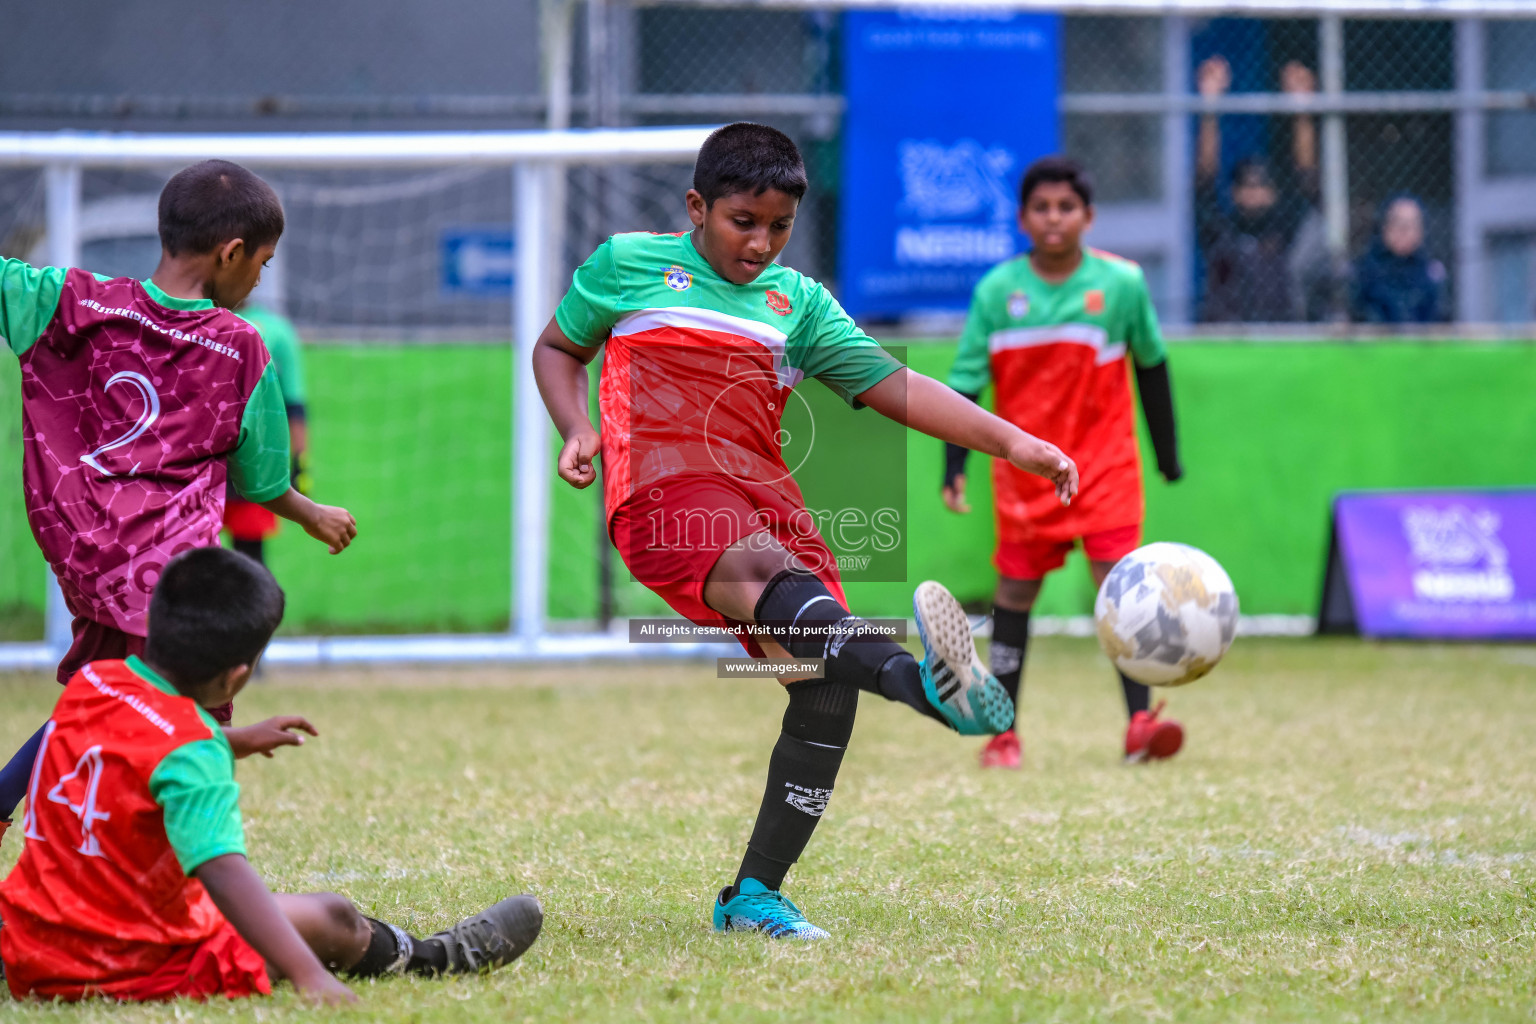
column 1284, row 170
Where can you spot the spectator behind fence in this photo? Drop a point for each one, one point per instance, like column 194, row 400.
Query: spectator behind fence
column 1396, row 280
column 1252, row 273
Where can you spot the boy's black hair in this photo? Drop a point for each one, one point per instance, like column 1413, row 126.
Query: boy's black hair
column 209, row 203
column 213, row 609
column 1054, row 169
column 747, row 157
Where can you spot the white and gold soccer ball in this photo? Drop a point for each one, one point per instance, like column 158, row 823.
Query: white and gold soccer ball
column 1166, row 614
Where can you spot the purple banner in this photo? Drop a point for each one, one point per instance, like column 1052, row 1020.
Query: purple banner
column 1454, row 564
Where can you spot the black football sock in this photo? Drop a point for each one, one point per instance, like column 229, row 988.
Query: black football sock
column 1138, row 697
column 1010, row 643
column 801, row 772
column 250, row 548
column 899, row 680
column 393, row 950
column 16, row 776
column 802, row 615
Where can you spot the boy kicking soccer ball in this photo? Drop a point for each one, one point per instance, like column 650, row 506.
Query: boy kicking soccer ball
column 139, row 399
column 1051, row 330
column 134, row 884
column 706, row 335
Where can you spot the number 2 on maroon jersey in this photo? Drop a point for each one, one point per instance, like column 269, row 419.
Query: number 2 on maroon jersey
column 146, row 390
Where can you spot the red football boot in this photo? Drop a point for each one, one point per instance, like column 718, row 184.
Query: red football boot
column 5, row 823
column 1149, row 738
column 1002, row 751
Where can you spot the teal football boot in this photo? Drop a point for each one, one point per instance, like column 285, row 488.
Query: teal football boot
column 968, row 696
column 757, row 908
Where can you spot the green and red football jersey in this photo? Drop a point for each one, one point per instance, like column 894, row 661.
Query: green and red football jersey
column 697, row 369
column 133, row 789
column 1057, row 355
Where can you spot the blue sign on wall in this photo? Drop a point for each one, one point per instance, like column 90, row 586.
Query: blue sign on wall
column 944, row 113
column 476, row 261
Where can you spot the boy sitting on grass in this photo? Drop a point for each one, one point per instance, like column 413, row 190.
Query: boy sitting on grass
column 134, row 884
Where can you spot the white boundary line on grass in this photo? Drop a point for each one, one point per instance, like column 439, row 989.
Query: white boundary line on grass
column 446, row 648
column 1082, row 625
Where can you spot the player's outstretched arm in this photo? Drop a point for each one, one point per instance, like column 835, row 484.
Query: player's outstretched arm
column 266, row 736
column 937, row 410
column 331, row 525
column 242, row 897
column 560, row 367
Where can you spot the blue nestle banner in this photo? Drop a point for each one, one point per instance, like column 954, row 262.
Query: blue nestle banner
column 944, row 113
column 1440, row 564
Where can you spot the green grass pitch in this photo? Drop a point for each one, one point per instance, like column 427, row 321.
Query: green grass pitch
column 1349, row 835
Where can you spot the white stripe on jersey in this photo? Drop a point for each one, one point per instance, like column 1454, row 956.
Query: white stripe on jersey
column 694, row 318
column 1095, row 338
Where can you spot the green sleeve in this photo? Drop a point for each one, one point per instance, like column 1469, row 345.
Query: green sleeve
column 591, row 306
column 972, row 371
column 839, row 354
column 258, row 467
column 29, row 296
column 1143, row 334
column 195, row 784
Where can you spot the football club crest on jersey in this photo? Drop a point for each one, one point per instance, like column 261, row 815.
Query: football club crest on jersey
column 778, row 302
column 1018, row 305
column 678, row 279
column 1093, row 301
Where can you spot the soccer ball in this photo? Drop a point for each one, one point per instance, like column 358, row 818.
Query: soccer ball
column 1166, row 614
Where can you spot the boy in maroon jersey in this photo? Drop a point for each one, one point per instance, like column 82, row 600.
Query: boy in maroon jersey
column 139, row 400
column 134, row 882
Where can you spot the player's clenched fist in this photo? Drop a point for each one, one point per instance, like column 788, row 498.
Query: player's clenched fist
column 575, row 464
column 332, row 526
column 1042, row 458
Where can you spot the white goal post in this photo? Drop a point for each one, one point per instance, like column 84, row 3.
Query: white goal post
column 536, row 158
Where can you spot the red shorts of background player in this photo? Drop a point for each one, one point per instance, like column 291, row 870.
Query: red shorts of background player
column 671, row 533
column 246, row 520
column 222, row 965
column 1031, row 560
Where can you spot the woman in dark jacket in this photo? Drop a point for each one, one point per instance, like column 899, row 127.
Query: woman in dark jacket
column 1396, row 281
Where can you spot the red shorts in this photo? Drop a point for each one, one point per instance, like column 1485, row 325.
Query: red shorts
column 96, row 642
column 1031, row 560
column 246, row 520
column 224, row 964
column 671, row 533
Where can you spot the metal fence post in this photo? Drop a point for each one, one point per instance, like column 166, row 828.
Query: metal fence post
column 62, row 214
column 530, row 429
column 1335, row 159
column 1178, row 178
column 1473, row 295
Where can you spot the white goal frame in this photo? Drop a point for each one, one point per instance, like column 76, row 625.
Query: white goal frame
column 537, row 160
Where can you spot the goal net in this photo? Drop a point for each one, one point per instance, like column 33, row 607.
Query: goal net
column 417, row 270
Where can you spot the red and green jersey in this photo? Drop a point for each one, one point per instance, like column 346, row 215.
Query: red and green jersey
column 1057, row 355
column 135, row 408
column 697, row 368
column 133, row 789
